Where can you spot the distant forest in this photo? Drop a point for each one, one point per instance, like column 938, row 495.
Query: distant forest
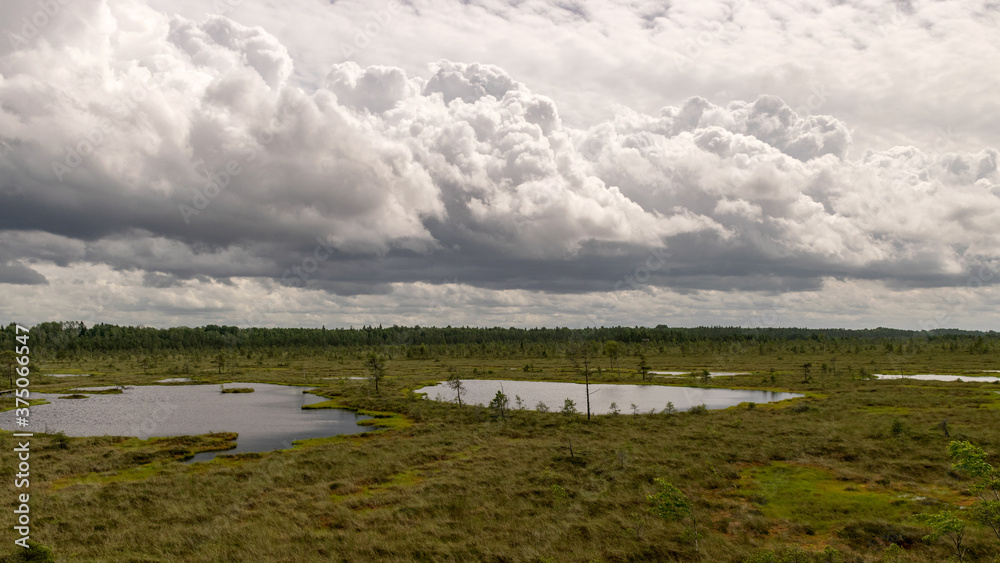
column 55, row 339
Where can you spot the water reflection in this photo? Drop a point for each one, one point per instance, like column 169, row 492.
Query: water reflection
column 937, row 377
column 644, row 397
column 267, row 419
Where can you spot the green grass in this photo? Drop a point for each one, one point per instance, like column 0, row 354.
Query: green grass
column 814, row 497
column 437, row 482
column 238, row 390
column 8, row 403
column 103, row 391
column 887, row 410
column 124, row 476
column 160, row 451
column 380, row 419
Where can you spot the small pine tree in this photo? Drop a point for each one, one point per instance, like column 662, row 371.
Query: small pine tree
column 375, row 364
column 569, row 407
column 455, row 383
column 670, row 504
column 499, row 405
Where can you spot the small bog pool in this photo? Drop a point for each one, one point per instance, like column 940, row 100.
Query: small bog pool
column 939, row 377
column 268, row 419
column 644, row 397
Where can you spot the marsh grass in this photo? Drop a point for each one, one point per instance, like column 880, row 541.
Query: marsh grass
column 442, row 482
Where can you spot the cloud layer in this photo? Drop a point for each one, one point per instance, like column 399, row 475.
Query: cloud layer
column 184, row 153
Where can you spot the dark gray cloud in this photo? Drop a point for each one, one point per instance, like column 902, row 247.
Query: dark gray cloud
column 157, row 280
column 17, row 273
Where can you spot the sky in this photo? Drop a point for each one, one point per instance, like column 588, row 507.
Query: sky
column 815, row 163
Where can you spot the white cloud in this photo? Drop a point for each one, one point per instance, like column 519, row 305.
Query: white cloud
column 96, row 293
column 381, row 179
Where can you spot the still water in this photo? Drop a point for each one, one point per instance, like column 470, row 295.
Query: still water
column 645, row 397
column 937, row 377
column 267, row 419
column 696, row 373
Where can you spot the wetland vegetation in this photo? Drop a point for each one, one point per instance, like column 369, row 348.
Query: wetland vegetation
column 855, row 470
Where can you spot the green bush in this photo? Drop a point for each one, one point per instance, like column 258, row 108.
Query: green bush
column 61, row 440
column 35, row 553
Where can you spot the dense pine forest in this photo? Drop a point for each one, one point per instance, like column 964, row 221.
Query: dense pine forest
column 66, row 339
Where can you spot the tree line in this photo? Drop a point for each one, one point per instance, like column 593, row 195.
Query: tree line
column 70, row 337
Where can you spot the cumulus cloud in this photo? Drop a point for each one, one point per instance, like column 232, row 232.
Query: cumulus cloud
column 184, row 150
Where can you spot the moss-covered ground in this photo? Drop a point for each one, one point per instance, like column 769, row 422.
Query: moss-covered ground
column 835, row 476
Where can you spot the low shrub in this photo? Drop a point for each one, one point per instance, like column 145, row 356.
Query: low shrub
column 871, row 534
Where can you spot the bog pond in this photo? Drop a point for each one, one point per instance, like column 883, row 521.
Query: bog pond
column 938, row 377
column 696, row 373
column 644, row 397
column 267, row 419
